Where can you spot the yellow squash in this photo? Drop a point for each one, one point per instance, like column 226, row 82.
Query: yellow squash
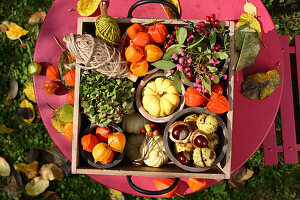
column 160, row 97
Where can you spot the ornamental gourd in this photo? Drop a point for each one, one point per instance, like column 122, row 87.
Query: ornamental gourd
column 156, row 154
column 160, row 97
column 132, row 123
column 133, row 145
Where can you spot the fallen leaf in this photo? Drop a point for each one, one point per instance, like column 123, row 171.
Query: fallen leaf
column 51, row 172
column 246, row 47
column 3, row 28
column 4, row 167
column 14, row 181
column 37, row 114
column 14, row 31
column 87, row 7
column 13, row 89
column 238, row 174
column 250, row 8
column 50, row 195
column 260, row 85
column 170, row 13
column 16, row 195
column 4, row 129
column 53, row 155
column 26, row 111
column 251, row 21
column 67, row 169
column 37, row 17
column 29, row 91
column 30, row 170
column 36, row 186
column 33, row 156
column 238, row 184
column 248, row 175
column 115, row 194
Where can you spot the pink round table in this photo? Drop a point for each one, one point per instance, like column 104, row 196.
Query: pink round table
column 251, row 119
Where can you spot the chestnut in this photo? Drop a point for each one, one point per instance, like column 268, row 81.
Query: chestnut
column 180, row 132
column 184, row 158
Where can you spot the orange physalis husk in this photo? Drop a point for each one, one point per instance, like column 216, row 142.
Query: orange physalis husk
column 102, row 133
column 70, row 98
column 141, row 39
column 134, row 29
column 88, row 142
column 164, row 183
column 70, row 78
column 109, row 160
column 52, row 73
column 216, row 88
column 68, row 130
column 102, row 152
column 196, row 184
column 218, row 104
column 117, row 141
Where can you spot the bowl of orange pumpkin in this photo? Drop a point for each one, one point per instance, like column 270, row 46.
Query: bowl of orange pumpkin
column 141, row 45
column 103, row 147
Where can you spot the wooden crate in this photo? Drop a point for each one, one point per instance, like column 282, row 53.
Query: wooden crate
column 79, row 166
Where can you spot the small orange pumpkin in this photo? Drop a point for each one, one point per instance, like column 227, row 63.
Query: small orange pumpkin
column 70, row 98
column 117, row 141
column 196, row 184
column 70, row 78
column 102, row 152
column 134, row 29
column 141, row 39
column 53, row 73
column 50, row 87
column 88, row 142
column 158, row 33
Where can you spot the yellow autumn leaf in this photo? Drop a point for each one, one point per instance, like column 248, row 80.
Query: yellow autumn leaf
column 29, row 91
column 31, row 169
column 24, row 111
column 4, row 129
column 115, row 194
column 251, row 21
column 14, row 31
column 36, row 186
column 87, row 7
column 170, row 13
column 250, row 8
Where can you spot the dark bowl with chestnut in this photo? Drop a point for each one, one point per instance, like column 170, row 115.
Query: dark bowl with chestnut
column 196, row 139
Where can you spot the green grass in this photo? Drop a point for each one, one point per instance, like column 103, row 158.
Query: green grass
column 269, row 182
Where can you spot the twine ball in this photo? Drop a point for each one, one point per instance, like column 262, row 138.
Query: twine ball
column 108, row 30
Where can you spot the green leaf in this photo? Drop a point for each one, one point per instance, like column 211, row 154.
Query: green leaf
column 260, row 85
column 217, row 79
column 222, row 55
column 181, row 34
column 197, row 42
column 177, row 81
column 174, row 49
column 184, row 77
column 212, row 69
column 219, row 187
column 246, row 47
column 66, row 113
column 164, row 64
column 212, row 38
column 206, row 83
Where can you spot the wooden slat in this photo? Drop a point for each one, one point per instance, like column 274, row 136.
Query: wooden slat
column 270, row 147
column 287, row 108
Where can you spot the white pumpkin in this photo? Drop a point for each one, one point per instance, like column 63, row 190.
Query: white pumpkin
column 132, row 123
column 133, row 144
column 156, row 155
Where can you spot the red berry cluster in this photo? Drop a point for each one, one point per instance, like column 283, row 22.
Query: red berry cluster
column 150, row 128
column 171, row 39
column 211, row 19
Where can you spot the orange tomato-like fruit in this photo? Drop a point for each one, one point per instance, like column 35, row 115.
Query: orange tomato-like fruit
column 109, row 160
column 70, row 78
column 193, row 98
column 196, row 184
column 68, row 130
column 88, row 142
column 117, row 141
column 134, row 53
column 70, row 98
column 102, row 152
column 141, row 39
column 134, row 29
column 153, row 53
column 52, row 73
column 164, row 183
column 158, row 33
column 50, row 87
column 139, row 68
column 102, row 133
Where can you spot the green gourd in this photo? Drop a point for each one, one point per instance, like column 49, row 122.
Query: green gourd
column 107, row 27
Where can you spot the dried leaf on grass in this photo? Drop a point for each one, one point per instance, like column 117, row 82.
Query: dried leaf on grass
column 4, row 167
column 16, row 195
column 14, row 31
column 250, row 8
column 30, row 170
column 170, row 13
column 237, row 179
column 14, row 185
column 36, row 186
column 246, row 47
column 26, row 111
column 53, row 155
column 13, row 89
column 51, row 172
column 37, row 17
column 29, row 91
column 115, row 194
column 37, row 114
column 260, row 85
column 250, row 21
column 33, row 156
column 4, row 129
column 67, row 169
column 248, row 175
column 3, row 28
column 50, row 195
column 238, row 184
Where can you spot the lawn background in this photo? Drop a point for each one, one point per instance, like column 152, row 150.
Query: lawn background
column 281, row 181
